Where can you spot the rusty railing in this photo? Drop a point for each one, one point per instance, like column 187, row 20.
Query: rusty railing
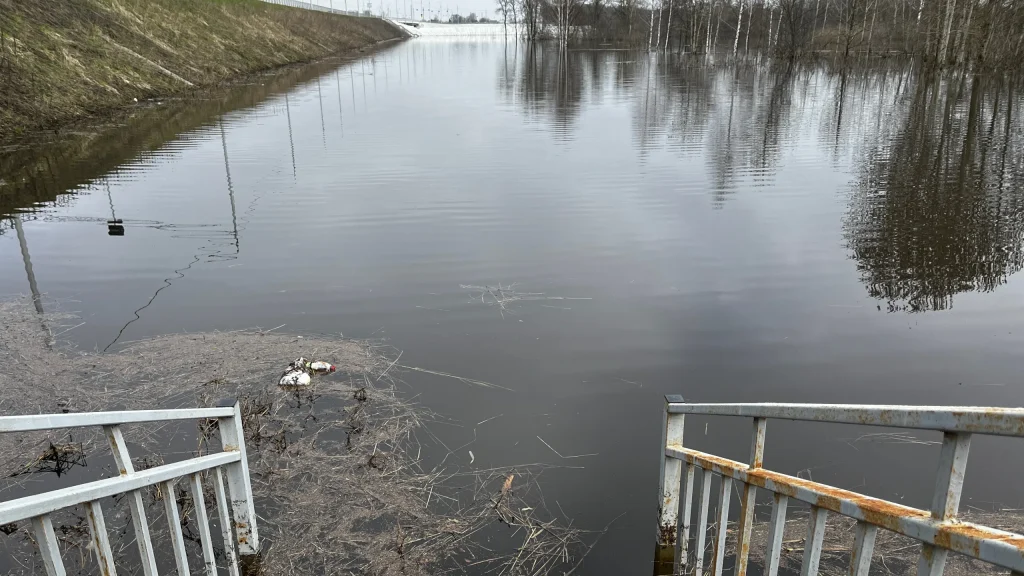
column 937, row 529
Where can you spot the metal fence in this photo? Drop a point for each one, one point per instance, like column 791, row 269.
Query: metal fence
column 229, row 464
column 330, row 7
column 937, row 529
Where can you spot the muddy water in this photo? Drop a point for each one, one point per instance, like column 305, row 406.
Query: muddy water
column 737, row 233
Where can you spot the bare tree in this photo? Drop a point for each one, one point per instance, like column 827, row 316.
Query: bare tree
column 739, row 26
column 503, row 8
column 532, row 19
column 792, row 13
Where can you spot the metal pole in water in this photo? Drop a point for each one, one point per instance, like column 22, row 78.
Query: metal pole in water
column 28, row 265
column 668, row 490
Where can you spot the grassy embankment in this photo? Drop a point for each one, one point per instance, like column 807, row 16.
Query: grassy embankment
column 64, row 61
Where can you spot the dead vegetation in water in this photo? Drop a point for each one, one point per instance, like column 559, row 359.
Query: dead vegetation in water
column 336, row 466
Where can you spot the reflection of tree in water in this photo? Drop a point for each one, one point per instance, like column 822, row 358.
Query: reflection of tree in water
column 937, row 209
column 545, row 81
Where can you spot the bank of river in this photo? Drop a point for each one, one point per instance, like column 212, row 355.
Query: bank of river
column 65, row 61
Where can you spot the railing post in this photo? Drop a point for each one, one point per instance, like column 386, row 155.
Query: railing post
column 749, row 499
column 48, row 547
column 139, row 522
column 669, row 483
column 174, row 525
column 686, row 512
column 949, row 481
column 702, row 529
column 232, row 438
column 863, row 546
column 203, row 523
column 722, row 530
column 225, row 522
column 100, row 540
column 814, row 542
column 776, row 530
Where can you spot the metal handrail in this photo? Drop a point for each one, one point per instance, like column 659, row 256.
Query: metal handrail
column 230, row 464
column 56, row 421
column 937, row 529
column 972, row 419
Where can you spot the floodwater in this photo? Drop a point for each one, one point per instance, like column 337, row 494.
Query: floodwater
column 662, row 225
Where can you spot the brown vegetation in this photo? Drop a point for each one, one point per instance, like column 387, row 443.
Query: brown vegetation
column 336, row 466
column 61, row 61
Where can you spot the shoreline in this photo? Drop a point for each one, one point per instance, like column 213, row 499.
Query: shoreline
column 118, row 116
column 89, row 63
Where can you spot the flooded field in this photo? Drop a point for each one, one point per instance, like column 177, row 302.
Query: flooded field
column 574, row 236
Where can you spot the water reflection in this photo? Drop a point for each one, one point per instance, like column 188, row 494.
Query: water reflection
column 54, row 172
column 937, row 209
column 544, row 81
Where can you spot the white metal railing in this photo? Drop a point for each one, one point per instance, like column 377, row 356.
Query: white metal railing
column 307, row 5
column 937, row 529
column 230, row 463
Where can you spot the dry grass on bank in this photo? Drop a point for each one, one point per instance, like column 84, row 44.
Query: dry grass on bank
column 336, row 467
column 61, row 61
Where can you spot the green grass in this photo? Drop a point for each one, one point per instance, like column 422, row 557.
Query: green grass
column 63, row 61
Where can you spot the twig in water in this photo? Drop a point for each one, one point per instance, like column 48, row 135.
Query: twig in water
column 390, row 365
column 559, row 454
column 461, row 378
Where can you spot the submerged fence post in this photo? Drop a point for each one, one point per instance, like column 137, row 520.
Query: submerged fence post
column 669, row 483
column 232, row 437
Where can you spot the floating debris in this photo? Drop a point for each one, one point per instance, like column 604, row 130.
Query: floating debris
column 320, row 367
column 336, row 469
column 503, row 296
column 295, row 377
column 301, row 371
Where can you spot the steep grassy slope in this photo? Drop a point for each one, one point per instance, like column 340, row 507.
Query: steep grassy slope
column 67, row 59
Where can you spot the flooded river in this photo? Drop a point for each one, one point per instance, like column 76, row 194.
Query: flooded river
column 587, row 232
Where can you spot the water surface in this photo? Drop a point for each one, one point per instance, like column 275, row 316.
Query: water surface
column 732, row 233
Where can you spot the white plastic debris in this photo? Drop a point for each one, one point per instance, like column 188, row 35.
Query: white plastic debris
column 295, row 377
column 321, row 367
column 301, row 371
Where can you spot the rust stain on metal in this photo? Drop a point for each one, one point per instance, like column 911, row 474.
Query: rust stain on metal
column 953, row 535
column 937, row 531
column 759, row 453
column 104, row 567
column 231, row 448
column 875, row 511
column 974, row 533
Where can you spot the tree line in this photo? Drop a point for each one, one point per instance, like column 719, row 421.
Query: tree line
column 943, row 33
